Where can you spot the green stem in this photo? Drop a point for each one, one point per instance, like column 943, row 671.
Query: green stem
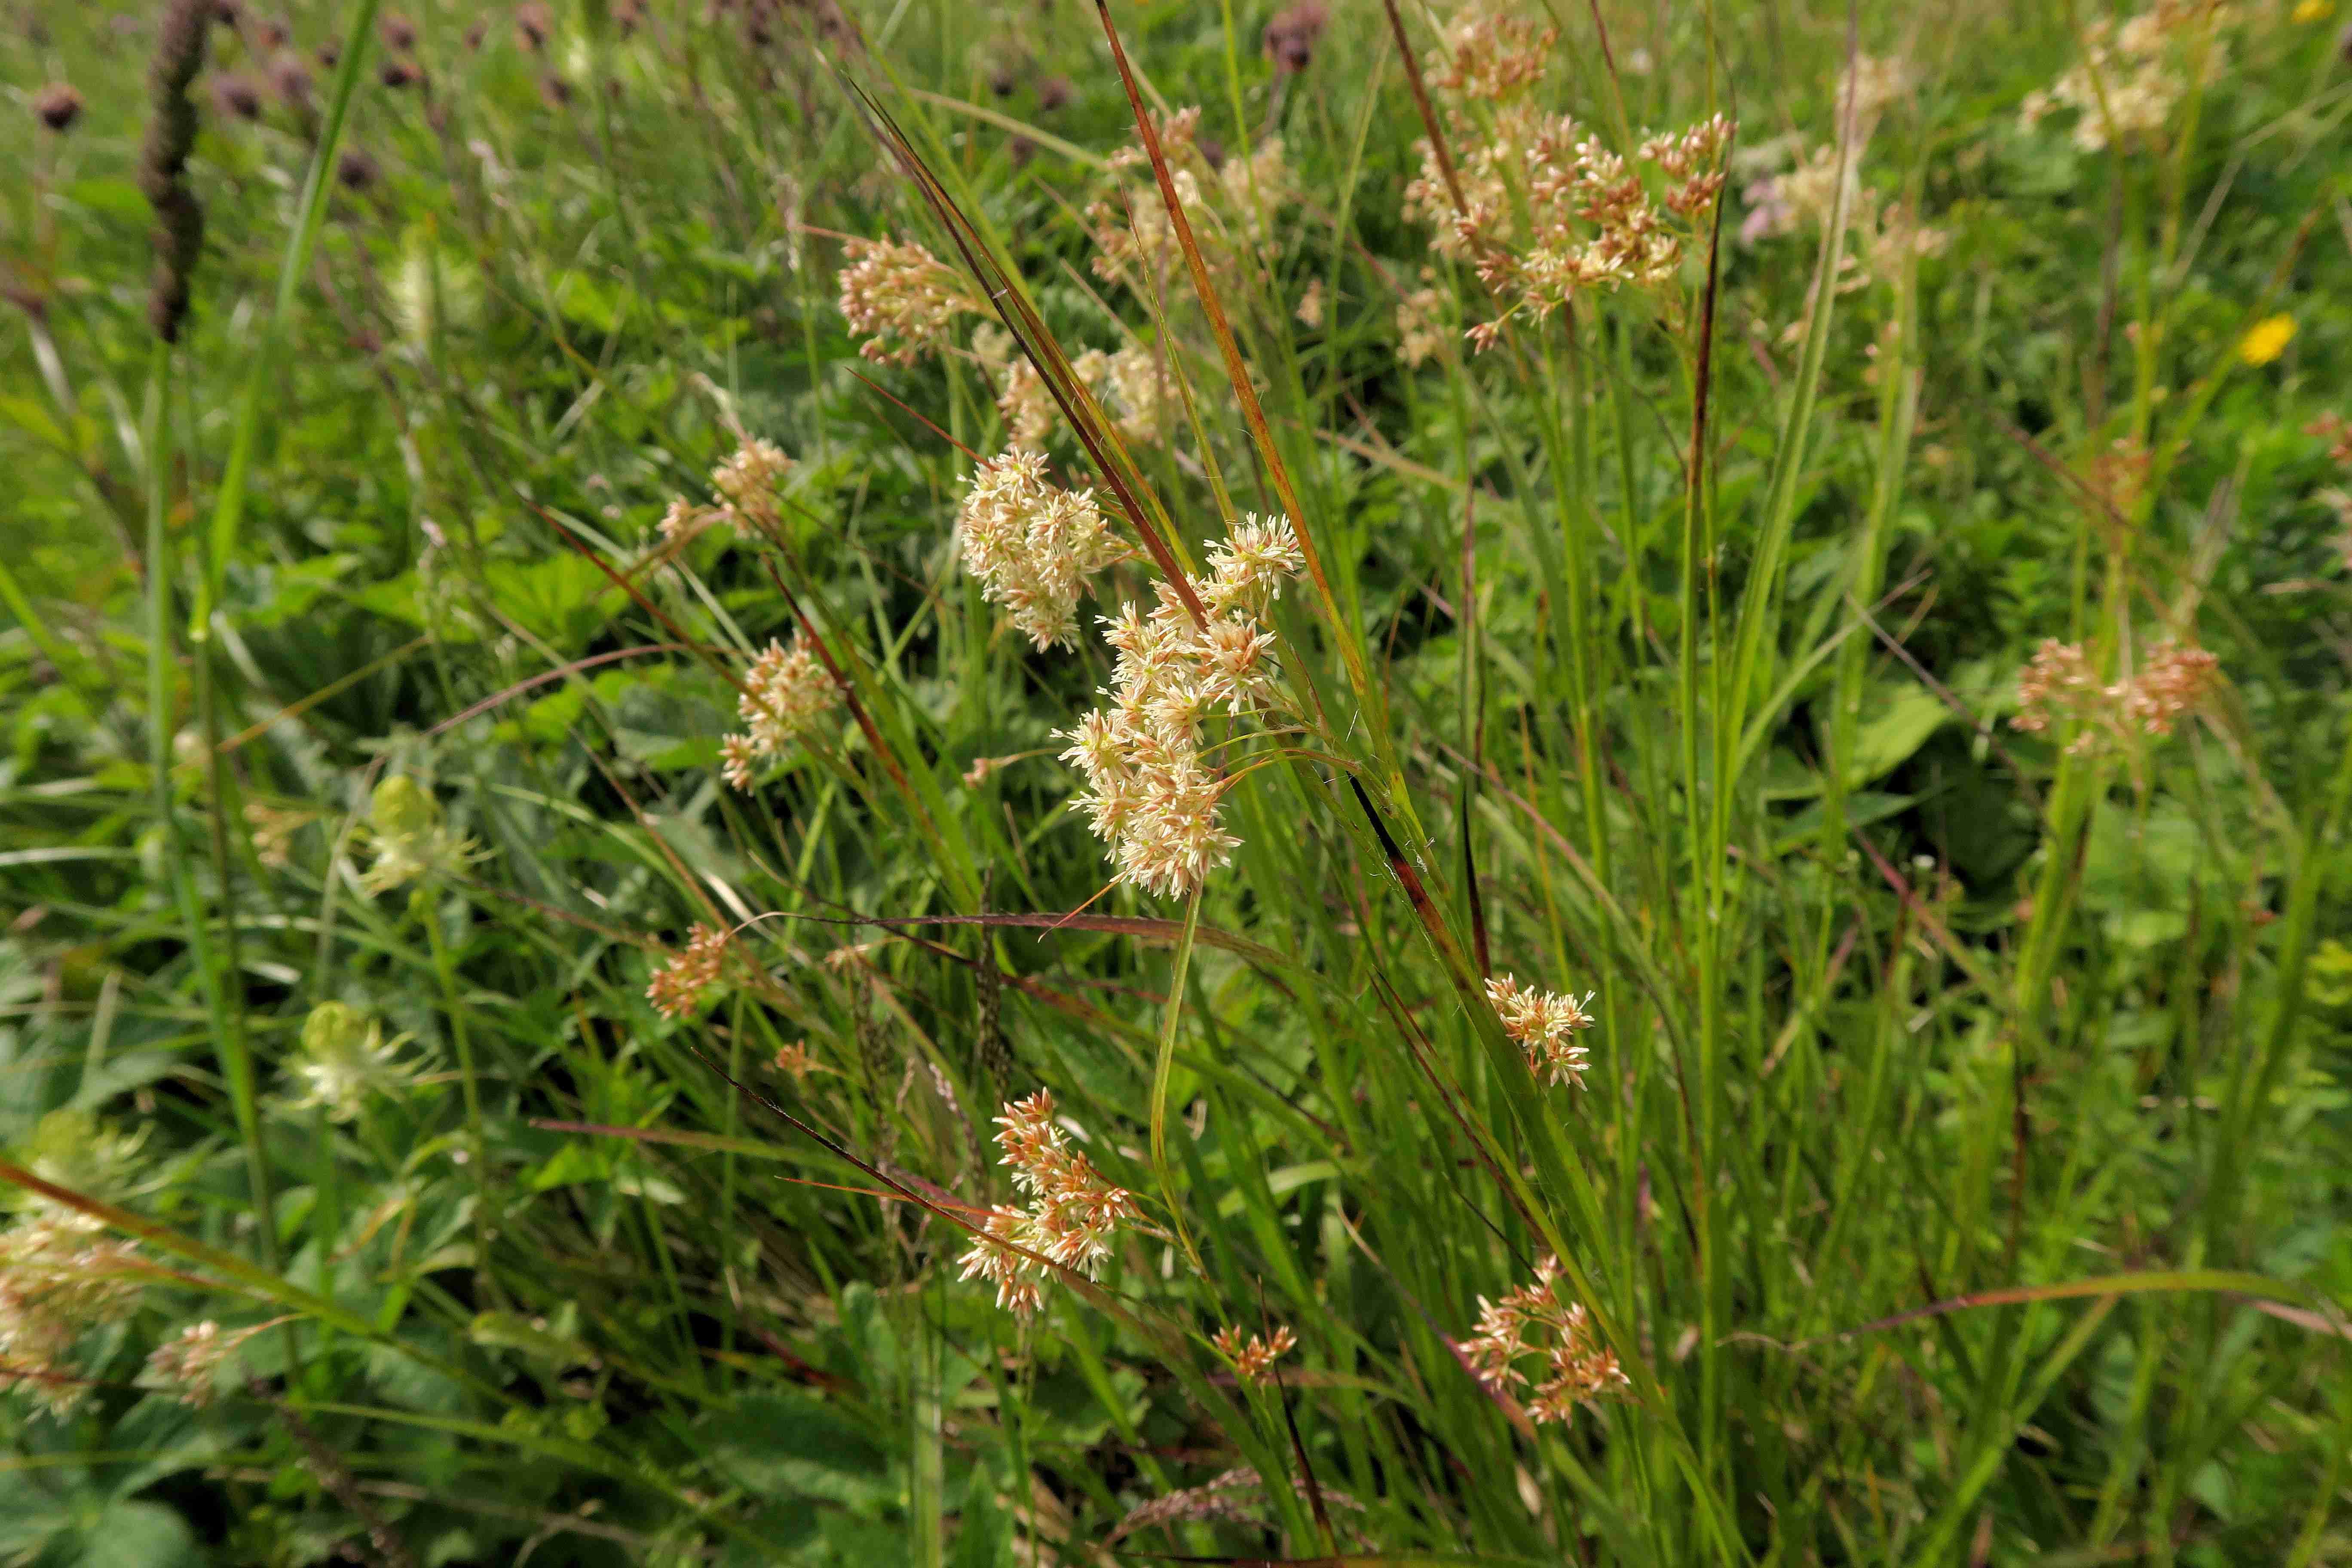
column 230, row 1047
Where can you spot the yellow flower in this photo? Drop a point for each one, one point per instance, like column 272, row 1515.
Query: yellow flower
column 2312, row 10
column 2266, row 340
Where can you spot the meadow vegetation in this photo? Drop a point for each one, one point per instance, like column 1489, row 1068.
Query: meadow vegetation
column 1038, row 782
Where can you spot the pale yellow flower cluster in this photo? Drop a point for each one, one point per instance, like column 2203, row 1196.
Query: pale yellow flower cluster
column 1022, row 399
column 2060, row 685
column 785, row 692
column 187, row 1365
column 1871, row 84
column 1490, row 53
column 1033, row 544
column 1254, row 1358
column 678, row 985
column 1422, row 328
column 2130, row 78
column 901, row 299
column 1536, row 203
column 59, row 1276
column 1232, row 203
column 746, row 482
column 1135, row 390
column 1073, row 1214
column 1542, row 1023
column 1532, row 1321
column 1151, row 793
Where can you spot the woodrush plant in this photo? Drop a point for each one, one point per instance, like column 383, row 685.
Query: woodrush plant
column 1803, row 1202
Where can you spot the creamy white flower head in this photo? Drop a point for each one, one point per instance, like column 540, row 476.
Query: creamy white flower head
column 786, row 691
column 1033, row 545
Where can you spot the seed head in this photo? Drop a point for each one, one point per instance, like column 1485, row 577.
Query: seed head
column 290, row 80
column 235, row 94
column 1310, row 306
column 186, row 1365
column 1491, row 54
column 355, row 169
column 58, row 1277
column 746, row 481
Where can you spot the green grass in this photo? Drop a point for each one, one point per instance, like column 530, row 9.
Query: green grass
column 1956, row 1175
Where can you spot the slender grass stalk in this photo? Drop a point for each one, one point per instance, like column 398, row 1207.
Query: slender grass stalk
column 224, row 1012
column 262, row 364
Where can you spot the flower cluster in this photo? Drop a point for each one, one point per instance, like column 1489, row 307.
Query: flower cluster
column 2060, row 685
column 1134, row 388
column 1309, row 313
column 1542, row 1023
column 1231, row 204
column 187, row 1365
column 1870, row 85
column 678, row 985
column 1254, row 1360
column 1033, row 545
column 1023, row 398
column 58, row 1277
column 1490, row 54
column 1803, row 195
column 1532, row 1321
column 408, row 838
column 345, row 1059
column 1073, row 1212
column 900, row 299
column 1150, row 792
column 1422, row 329
column 1546, row 211
column 786, row 691
column 746, row 481
column 2130, row 78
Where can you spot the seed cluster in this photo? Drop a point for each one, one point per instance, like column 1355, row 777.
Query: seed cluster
column 59, row 1276
column 678, row 985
